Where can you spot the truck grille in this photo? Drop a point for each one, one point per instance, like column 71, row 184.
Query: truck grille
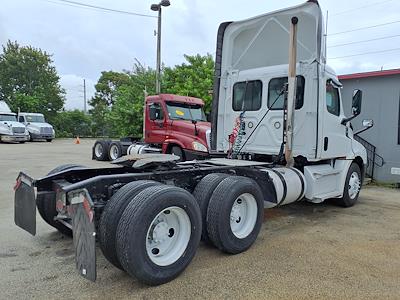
column 46, row 130
column 18, row 130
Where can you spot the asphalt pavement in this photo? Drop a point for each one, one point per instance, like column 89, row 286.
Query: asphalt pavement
column 304, row 251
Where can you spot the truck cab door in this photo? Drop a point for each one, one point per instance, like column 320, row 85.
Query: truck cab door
column 262, row 102
column 335, row 142
column 155, row 132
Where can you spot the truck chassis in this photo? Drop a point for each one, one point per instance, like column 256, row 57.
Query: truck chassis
column 81, row 195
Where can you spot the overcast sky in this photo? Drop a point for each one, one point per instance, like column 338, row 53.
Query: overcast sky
column 85, row 41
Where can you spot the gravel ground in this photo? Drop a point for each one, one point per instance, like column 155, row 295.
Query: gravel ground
column 304, row 251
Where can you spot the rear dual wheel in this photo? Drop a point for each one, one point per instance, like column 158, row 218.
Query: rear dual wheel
column 157, row 233
column 232, row 211
column 115, row 151
column 203, row 192
column 100, row 150
column 111, row 215
column 235, row 214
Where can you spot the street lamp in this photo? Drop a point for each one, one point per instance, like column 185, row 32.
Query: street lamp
column 157, row 7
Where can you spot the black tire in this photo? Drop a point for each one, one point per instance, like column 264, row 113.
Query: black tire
column 100, row 150
column 117, row 147
column 112, row 213
column 135, row 223
column 46, row 203
column 49, row 140
column 219, row 213
column 203, row 193
column 176, row 150
column 23, row 142
column 347, row 200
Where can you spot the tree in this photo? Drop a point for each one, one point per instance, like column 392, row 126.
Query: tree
column 126, row 115
column 107, row 86
column 29, row 80
column 106, row 89
column 194, row 78
column 72, row 123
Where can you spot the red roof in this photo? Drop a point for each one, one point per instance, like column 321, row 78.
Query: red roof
column 177, row 98
column 370, row 74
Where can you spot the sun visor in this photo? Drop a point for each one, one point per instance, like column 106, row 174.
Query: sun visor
column 336, row 83
column 263, row 41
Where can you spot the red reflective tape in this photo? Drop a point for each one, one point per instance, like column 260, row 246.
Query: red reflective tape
column 59, row 205
column 17, row 184
column 88, row 209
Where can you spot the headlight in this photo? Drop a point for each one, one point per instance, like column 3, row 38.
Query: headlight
column 199, row 147
column 53, row 131
column 35, row 130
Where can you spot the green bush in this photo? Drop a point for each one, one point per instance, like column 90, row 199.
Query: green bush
column 73, row 123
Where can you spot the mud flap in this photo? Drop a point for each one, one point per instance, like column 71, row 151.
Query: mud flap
column 84, row 234
column 25, row 204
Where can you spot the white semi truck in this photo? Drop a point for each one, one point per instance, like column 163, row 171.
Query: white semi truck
column 10, row 129
column 37, row 126
column 279, row 135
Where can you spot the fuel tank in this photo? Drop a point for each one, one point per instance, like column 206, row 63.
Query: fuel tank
column 290, row 185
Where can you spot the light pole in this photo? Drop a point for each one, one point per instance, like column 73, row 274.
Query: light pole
column 157, row 7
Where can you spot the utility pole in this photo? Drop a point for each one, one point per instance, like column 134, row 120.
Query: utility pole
column 158, row 71
column 157, row 7
column 84, row 96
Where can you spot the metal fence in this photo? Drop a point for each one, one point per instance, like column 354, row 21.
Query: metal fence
column 374, row 159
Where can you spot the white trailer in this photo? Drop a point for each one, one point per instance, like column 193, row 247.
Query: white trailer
column 273, row 143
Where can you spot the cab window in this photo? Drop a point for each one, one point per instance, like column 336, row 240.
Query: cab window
column 276, row 97
column 158, row 109
column 332, row 99
column 247, row 95
column 21, row 119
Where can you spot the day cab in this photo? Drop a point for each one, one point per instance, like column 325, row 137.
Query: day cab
column 177, row 124
column 37, row 126
column 10, row 129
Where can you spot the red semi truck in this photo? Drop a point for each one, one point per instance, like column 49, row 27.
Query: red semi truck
column 172, row 124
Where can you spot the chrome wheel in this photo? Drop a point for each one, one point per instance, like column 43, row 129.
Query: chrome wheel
column 243, row 215
column 354, row 185
column 168, row 236
column 98, row 150
column 114, row 152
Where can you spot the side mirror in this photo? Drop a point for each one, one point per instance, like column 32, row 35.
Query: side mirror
column 208, row 117
column 152, row 112
column 357, row 100
column 367, row 124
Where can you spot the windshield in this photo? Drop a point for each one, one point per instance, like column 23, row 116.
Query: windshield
column 8, row 118
column 184, row 111
column 35, row 119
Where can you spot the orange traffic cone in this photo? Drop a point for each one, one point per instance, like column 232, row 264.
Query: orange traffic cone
column 77, row 140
